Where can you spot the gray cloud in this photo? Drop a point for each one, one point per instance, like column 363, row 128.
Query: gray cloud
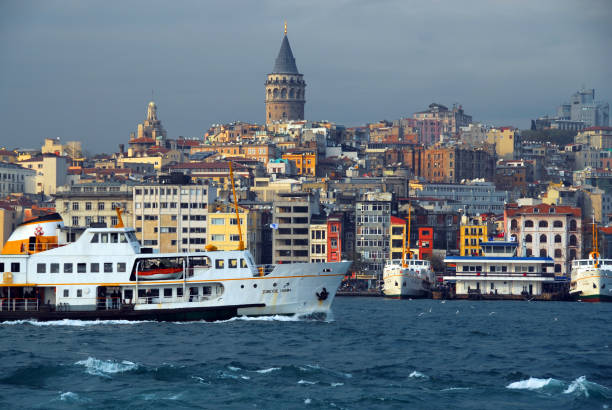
column 85, row 70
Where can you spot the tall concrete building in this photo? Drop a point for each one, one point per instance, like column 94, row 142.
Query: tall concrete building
column 285, row 87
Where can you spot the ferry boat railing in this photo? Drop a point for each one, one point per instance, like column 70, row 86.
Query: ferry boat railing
column 506, row 274
column 19, row 304
column 40, row 247
column 108, row 303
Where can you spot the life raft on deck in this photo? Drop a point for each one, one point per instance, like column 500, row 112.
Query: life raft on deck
column 160, row 273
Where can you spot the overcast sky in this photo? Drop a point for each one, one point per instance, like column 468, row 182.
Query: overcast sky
column 84, row 70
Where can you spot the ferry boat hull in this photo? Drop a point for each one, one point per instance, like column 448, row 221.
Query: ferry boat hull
column 591, row 286
column 405, row 286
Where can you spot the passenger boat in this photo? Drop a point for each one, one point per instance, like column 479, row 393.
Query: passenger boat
column 409, row 277
column 591, row 279
column 95, row 277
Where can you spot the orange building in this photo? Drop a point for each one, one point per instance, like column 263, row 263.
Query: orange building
column 259, row 152
column 305, row 161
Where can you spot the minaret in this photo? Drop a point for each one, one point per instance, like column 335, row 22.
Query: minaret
column 285, row 87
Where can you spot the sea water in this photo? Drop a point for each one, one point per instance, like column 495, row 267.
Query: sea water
column 373, row 353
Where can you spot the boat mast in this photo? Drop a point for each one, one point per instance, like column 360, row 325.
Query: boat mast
column 119, row 218
column 240, row 243
column 406, row 250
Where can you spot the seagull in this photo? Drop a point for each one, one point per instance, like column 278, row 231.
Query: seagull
column 491, row 313
column 457, row 312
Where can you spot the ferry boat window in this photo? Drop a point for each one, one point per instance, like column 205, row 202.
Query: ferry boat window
column 122, row 238
column 67, row 267
column 243, row 263
column 154, row 293
column 219, row 263
column 81, row 267
column 79, row 293
column 179, row 292
column 206, row 290
column 104, row 237
column 120, row 266
column 108, row 267
column 504, row 269
column 14, row 266
column 478, row 268
column 128, row 294
column 1, row 266
column 40, row 268
column 530, row 269
column 114, row 237
column 142, row 293
column 95, row 238
column 491, row 268
column 167, row 292
column 54, row 268
column 131, row 237
column 94, row 268
column 66, row 293
column 232, row 263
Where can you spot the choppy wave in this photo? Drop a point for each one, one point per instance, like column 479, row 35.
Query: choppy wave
column 302, row 381
column 73, row 322
column 579, row 387
column 105, row 368
column 264, row 371
column 417, row 375
column 73, row 397
column 533, row 383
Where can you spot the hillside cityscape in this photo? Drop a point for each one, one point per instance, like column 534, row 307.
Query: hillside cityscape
column 437, row 181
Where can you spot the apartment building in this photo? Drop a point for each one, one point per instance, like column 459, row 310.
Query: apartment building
column 172, row 217
column 16, row 179
column 292, row 214
column 547, row 230
column 80, row 205
column 335, row 234
column 372, row 224
column 223, row 232
column 51, row 172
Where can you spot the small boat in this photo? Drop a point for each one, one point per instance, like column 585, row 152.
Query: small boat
column 160, row 273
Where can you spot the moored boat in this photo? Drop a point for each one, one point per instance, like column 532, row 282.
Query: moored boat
column 591, row 279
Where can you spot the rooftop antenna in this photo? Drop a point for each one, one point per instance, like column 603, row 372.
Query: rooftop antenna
column 285, row 27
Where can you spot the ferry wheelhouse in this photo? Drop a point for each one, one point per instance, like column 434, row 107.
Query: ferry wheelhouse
column 500, row 274
column 104, row 273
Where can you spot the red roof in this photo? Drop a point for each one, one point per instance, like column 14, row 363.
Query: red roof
column 398, row 221
column 513, row 209
column 143, row 140
column 7, row 152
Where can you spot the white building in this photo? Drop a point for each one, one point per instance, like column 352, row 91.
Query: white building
column 51, row 172
column 16, row 179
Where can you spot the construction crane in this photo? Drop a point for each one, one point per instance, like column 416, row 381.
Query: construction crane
column 240, row 243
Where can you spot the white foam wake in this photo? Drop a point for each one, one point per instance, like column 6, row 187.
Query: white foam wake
column 105, row 368
column 533, row 383
column 72, row 322
column 417, row 375
column 264, row 371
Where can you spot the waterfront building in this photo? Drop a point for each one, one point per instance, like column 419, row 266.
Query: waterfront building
column 335, row 235
column 500, row 273
column 318, row 239
column 425, row 242
column 292, row 213
column 398, row 228
column 472, row 232
column 285, row 87
column 173, row 216
column 81, row 205
column 547, row 231
column 373, row 212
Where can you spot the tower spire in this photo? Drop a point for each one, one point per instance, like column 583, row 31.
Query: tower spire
column 285, row 27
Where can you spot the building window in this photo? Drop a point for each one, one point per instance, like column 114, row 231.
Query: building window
column 75, row 206
column 88, row 206
column 528, row 238
column 558, row 224
column 217, row 221
column 528, row 224
column 218, row 238
column 543, row 224
column 542, row 238
column 557, row 253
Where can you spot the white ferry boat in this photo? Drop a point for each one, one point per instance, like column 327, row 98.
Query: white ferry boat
column 500, row 274
column 411, row 278
column 591, row 279
column 105, row 274
column 408, row 277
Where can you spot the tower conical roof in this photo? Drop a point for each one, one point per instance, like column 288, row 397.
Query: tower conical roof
column 285, row 63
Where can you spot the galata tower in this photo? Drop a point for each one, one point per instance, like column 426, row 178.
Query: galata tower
column 285, row 87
